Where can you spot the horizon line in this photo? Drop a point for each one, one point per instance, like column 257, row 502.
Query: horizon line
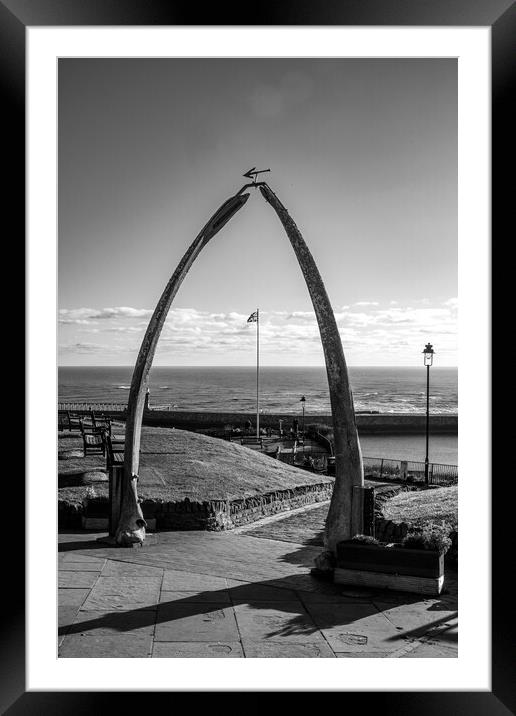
column 250, row 365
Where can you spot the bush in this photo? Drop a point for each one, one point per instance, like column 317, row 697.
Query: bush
column 365, row 539
column 90, row 494
column 325, row 430
column 313, row 427
column 431, row 538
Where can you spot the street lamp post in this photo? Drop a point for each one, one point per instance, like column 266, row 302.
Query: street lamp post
column 303, row 401
column 428, row 354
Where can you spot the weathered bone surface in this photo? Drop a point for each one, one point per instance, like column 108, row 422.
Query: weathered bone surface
column 345, row 514
column 131, row 526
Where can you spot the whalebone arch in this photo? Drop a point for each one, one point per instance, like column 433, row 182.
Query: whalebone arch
column 345, row 513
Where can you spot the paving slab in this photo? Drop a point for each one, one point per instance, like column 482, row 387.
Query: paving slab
column 298, row 582
column 196, row 650
column 244, row 592
column 281, row 621
column 423, row 650
column 85, row 555
column 354, row 627
column 222, row 555
column 71, row 597
column 85, row 566
column 194, row 622
column 329, row 598
column 97, row 623
column 124, row 592
column 114, row 569
column 106, row 646
column 65, row 617
column 206, row 594
column 329, row 615
column 178, row 581
column 303, row 527
column 363, row 655
column 75, row 580
column 446, row 650
column 356, row 593
column 282, row 649
column 444, row 636
column 195, row 597
column 417, row 619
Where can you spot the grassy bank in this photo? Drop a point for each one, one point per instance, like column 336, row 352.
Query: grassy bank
column 176, row 464
column 425, row 507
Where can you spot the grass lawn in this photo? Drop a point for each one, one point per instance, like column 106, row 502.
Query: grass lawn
column 420, row 508
column 175, row 464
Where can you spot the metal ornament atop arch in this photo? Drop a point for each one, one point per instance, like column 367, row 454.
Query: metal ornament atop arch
column 345, row 512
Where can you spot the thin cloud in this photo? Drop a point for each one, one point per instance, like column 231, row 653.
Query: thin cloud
column 82, row 348
column 283, row 334
column 78, row 315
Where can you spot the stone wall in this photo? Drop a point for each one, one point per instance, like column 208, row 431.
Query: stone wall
column 69, row 514
column 214, row 515
column 367, row 424
column 389, row 531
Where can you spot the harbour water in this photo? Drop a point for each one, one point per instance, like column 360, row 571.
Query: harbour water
column 441, row 448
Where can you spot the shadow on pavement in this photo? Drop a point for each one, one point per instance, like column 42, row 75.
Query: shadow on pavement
column 309, row 606
column 83, row 542
column 439, row 627
column 340, row 612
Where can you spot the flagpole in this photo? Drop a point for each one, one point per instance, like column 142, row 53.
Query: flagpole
column 257, row 372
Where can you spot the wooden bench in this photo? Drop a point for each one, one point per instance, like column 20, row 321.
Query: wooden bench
column 101, row 421
column 252, row 441
column 93, row 439
column 115, row 455
column 68, row 421
column 114, row 452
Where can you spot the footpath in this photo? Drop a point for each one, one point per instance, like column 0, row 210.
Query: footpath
column 241, row 594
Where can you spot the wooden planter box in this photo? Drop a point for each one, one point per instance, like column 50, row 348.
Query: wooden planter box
column 405, row 570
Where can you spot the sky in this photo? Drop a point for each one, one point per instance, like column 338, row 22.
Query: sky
column 363, row 153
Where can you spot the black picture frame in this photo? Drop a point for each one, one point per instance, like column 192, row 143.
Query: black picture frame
column 500, row 16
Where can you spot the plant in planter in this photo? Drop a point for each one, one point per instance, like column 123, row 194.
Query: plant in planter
column 365, row 539
column 415, row 565
column 434, row 539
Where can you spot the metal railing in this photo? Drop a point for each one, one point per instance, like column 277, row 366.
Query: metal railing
column 410, row 471
column 88, row 407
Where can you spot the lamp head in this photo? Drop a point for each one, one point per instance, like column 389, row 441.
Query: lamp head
column 428, row 354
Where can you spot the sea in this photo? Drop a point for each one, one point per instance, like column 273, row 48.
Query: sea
column 233, row 389
column 386, row 390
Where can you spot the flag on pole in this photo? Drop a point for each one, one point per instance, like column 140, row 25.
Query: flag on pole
column 254, row 318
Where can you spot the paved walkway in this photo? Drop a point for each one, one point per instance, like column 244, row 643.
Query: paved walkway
column 202, row 594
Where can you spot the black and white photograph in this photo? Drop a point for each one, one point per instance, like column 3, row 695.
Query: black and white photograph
column 258, row 353
column 259, row 249
column 258, row 358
